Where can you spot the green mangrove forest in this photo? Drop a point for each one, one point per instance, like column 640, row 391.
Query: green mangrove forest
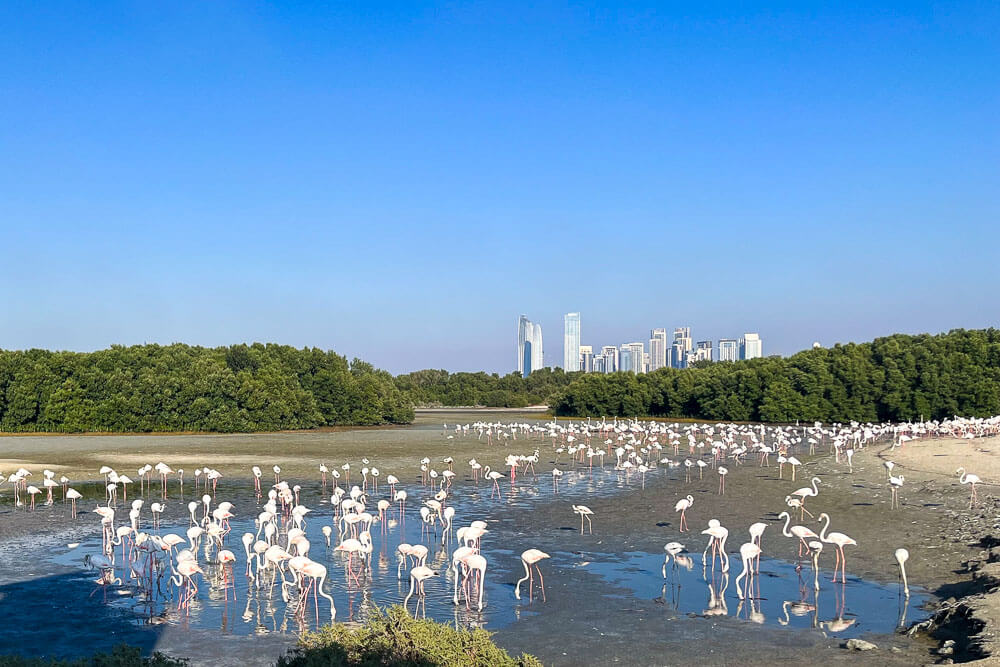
column 246, row 388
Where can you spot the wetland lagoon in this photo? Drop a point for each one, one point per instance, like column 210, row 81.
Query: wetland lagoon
column 607, row 595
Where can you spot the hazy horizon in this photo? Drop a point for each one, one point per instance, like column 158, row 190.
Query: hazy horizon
column 400, row 182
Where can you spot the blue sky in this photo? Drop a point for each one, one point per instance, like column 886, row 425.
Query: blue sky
column 400, row 181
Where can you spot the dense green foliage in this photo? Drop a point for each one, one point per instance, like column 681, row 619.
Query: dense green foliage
column 895, row 378
column 183, row 388
column 395, row 639
column 121, row 656
column 438, row 387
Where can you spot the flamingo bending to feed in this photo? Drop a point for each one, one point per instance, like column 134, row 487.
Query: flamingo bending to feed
column 529, row 559
column 672, row 549
column 749, row 552
column 902, row 555
column 584, row 511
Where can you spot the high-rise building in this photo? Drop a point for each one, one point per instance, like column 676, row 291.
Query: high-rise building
column 610, row 355
column 571, row 342
column 586, row 358
column 645, row 362
column 678, row 355
column 599, row 364
column 637, row 353
column 625, row 359
column 657, row 349
column 729, row 349
column 704, row 350
column 529, row 346
column 751, row 346
column 681, row 346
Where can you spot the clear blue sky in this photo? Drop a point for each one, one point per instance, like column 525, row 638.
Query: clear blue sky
column 400, row 181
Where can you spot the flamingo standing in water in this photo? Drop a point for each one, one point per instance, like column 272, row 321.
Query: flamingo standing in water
column 418, row 576
column 756, row 532
column 529, row 559
column 682, row 506
column 902, row 555
column 800, row 532
column 495, row 477
column 316, row 573
column 584, row 511
column 972, row 480
column 671, row 549
column 73, row 495
column 748, row 553
column 841, row 541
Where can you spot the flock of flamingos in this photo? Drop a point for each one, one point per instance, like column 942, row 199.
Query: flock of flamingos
column 138, row 554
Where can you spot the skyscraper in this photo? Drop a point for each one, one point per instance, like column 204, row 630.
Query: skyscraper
column 625, row 359
column 657, row 349
column 571, row 342
column 704, row 352
column 729, row 349
column 681, row 346
column 751, row 346
column 586, row 359
column 529, row 346
column 637, row 353
column 610, row 355
column 678, row 354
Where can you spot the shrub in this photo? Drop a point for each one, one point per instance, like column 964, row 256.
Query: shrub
column 394, row 638
column 120, row 656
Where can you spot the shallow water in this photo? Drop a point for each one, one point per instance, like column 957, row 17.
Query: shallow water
column 847, row 610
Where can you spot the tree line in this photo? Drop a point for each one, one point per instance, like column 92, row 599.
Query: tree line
column 239, row 388
column 896, row 378
column 434, row 388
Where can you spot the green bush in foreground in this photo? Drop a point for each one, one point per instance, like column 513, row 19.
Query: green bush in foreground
column 121, row 656
column 394, row 638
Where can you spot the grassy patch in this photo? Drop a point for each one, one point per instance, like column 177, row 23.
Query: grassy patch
column 394, row 638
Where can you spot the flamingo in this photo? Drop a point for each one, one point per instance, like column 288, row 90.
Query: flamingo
column 902, row 555
column 748, row 553
column 73, row 495
column 895, row 484
column 972, row 480
column 530, row 558
column 799, row 532
column 418, row 576
column 316, row 573
column 756, row 532
column 584, row 511
column 682, row 506
column 671, row 549
column 839, row 539
column 723, row 471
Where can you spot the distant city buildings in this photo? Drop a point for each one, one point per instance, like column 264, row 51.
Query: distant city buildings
column 529, row 346
column 751, row 346
column 679, row 352
column 658, row 350
column 571, row 342
column 609, row 353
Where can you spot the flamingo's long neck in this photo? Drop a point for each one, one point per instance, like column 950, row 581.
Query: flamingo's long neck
column 788, row 520
column 822, row 534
